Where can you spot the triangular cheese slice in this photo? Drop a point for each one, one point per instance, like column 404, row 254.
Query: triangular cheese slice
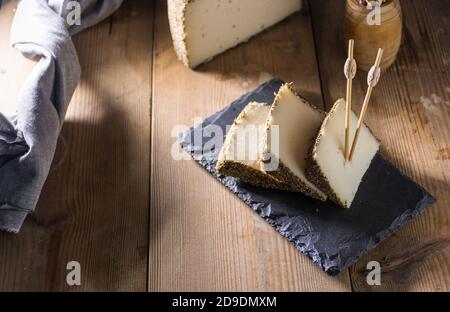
column 202, row 29
column 327, row 167
column 291, row 129
column 240, row 156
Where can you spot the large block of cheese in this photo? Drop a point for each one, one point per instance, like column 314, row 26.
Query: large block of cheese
column 240, row 156
column 327, row 167
column 202, row 29
column 295, row 123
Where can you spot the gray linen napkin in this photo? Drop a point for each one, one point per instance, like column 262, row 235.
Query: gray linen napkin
column 41, row 29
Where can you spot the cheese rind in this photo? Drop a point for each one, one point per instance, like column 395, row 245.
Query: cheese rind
column 296, row 123
column 202, row 29
column 327, row 167
column 240, row 156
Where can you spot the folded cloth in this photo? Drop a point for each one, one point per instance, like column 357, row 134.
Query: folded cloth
column 41, row 30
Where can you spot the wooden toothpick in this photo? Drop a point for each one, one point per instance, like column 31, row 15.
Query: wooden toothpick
column 372, row 79
column 350, row 72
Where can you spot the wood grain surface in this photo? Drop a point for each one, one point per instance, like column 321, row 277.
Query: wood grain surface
column 136, row 219
column 202, row 237
column 409, row 112
column 94, row 207
column 14, row 68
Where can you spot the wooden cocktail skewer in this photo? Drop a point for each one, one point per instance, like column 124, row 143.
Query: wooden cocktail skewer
column 350, row 72
column 372, row 79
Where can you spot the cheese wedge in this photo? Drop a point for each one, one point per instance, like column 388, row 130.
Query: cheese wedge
column 202, row 29
column 240, row 156
column 327, row 167
column 291, row 129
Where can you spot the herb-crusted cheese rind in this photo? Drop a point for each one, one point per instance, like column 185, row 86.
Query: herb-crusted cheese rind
column 247, row 132
column 177, row 13
column 202, row 29
column 249, row 175
column 293, row 122
column 326, row 165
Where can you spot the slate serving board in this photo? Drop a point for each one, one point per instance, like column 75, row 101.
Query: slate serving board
column 332, row 237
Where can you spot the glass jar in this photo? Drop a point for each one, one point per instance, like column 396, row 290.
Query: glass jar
column 373, row 25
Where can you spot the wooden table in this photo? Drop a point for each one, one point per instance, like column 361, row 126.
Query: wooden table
column 120, row 205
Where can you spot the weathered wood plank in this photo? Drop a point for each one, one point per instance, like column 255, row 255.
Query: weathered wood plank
column 409, row 112
column 201, row 236
column 94, row 207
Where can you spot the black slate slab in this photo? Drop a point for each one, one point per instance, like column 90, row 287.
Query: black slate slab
column 332, row 237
